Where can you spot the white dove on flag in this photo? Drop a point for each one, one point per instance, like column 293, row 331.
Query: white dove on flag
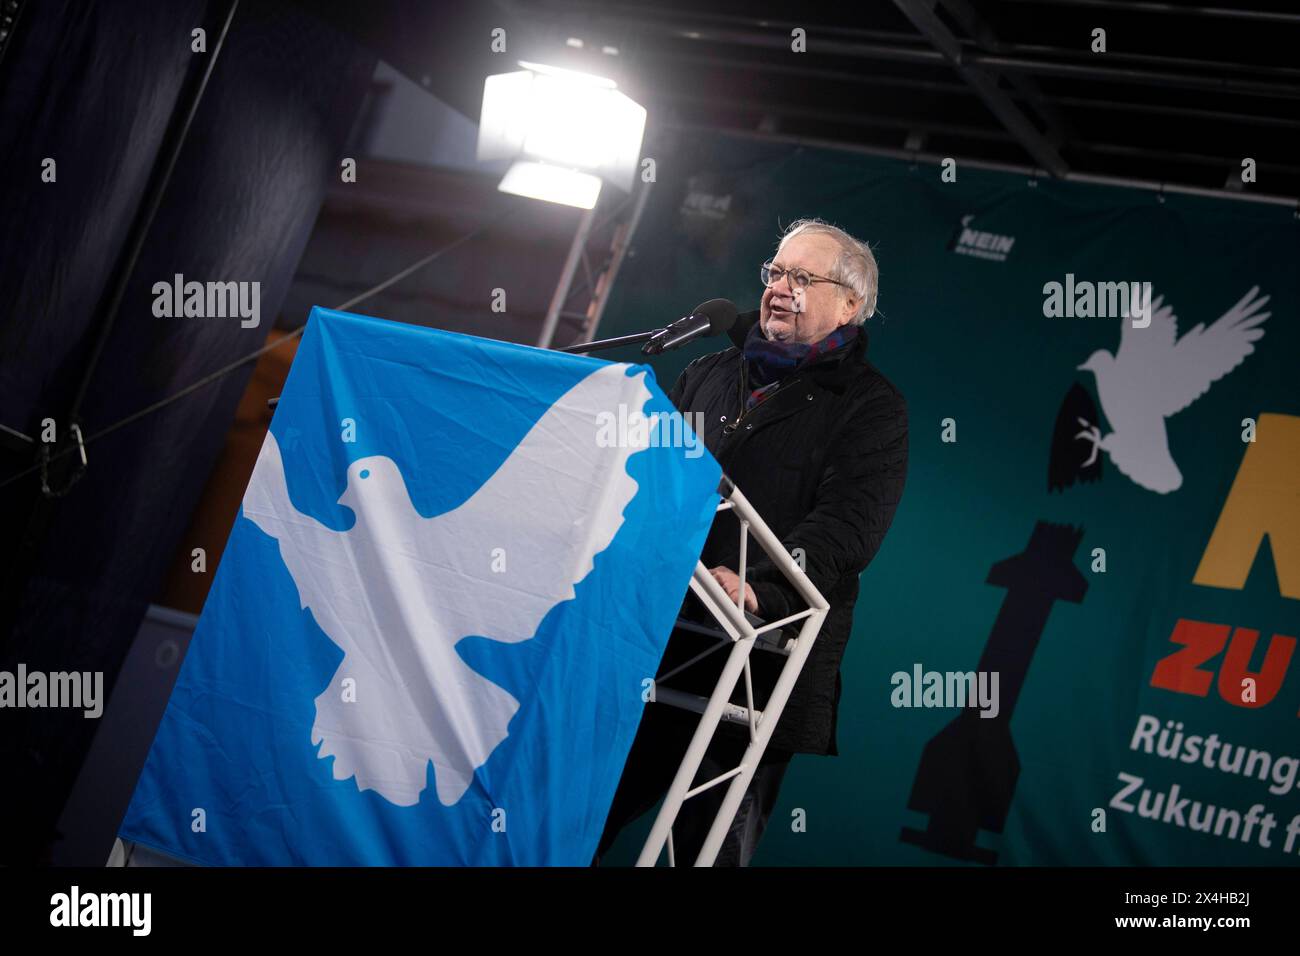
column 1155, row 375
column 397, row 591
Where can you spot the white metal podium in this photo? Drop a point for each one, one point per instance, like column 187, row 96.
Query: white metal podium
column 743, row 637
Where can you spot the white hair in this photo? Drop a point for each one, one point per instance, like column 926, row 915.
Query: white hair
column 856, row 266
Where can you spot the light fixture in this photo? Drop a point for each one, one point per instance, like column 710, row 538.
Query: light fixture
column 552, row 183
column 567, row 132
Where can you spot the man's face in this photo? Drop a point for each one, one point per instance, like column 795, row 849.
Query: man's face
column 805, row 315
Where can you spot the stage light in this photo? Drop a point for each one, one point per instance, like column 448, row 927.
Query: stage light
column 552, row 183
column 567, row 132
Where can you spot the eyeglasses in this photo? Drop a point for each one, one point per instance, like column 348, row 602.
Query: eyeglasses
column 795, row 278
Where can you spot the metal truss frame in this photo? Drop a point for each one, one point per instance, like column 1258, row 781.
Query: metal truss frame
column 743, row 633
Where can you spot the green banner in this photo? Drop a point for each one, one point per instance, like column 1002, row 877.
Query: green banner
column 1139, row 610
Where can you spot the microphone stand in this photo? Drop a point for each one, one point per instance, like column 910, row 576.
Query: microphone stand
column 611, row 343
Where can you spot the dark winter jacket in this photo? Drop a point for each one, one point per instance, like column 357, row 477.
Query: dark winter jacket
column 823, row 460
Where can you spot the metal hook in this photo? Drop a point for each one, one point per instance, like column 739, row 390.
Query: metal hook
column 45, row 458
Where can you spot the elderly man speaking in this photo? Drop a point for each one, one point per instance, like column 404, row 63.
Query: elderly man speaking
column 816, row 438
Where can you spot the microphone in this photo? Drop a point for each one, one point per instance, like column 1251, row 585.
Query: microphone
column 739, row 332
column 708, row 318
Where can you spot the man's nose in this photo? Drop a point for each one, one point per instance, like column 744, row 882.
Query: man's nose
column 780, row 297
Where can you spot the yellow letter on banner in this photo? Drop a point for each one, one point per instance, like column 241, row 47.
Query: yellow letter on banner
column 1264, row 500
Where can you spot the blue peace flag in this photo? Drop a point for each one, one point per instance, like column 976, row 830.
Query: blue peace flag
column 455, row 568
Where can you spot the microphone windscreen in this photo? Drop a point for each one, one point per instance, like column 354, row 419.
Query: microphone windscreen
column 740, row 330
column 721, row 314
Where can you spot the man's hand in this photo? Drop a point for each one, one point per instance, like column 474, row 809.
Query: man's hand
column 730, row 582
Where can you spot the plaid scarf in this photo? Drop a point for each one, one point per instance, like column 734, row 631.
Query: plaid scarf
column 769, row 362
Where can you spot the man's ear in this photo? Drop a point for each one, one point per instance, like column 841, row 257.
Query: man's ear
column 850, row 310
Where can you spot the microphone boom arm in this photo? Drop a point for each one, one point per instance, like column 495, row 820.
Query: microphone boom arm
column 613, row 343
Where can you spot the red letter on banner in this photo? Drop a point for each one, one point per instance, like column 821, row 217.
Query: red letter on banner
column 1269, row 679
column 1179, row 672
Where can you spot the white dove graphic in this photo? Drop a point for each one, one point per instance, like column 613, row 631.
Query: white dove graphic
column 1155, row 375
column 397, row 591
